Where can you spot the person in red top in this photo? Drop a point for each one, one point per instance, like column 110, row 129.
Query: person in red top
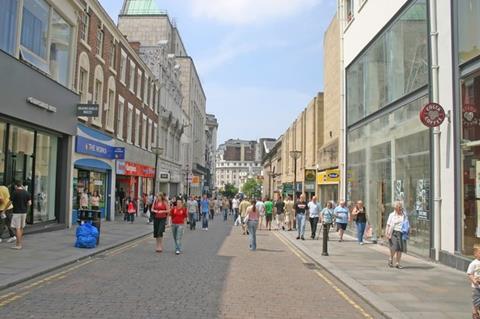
column 160, row 211
column 178, row 215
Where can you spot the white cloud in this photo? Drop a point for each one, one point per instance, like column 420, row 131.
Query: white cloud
column 242, row 12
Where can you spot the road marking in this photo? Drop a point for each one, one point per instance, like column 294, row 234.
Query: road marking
column 339, row 291
column 25, row 290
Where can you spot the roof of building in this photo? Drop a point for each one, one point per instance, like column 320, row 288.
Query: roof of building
column 140, row 7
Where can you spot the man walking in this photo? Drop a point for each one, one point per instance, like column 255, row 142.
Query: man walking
column 21, row 201
column 235, row 205
column 268, row 213
column 280, row 213
column 211, row 204
column 192, row 207
column 204, row 204
column 314, row 211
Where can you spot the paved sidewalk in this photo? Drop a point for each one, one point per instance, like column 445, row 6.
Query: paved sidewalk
column 421, row 290
column 44, row 252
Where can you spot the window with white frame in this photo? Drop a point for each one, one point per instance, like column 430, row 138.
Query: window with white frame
column 84, row 25
column 151, row 94
column 98, row 94
column 144, row 132
column 123, row 66
column 120, row 116
column 155, row 135
column 145, row 92
column 149, row 134
column 137, row 127
column 100, row 37
column 129, row 123
column 83, row 85
column 110, row 106
column 113, row 54
column 46, row 40
column 157, row 101
column 131, row 82
column 139, row 83
column 349, row 10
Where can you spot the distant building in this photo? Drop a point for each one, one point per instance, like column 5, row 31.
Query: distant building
column 211, row 128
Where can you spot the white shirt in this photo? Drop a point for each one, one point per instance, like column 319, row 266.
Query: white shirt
column 474, row 269
column 314, row 209
column 395, row 221
column 235, row 203
column 260, row 208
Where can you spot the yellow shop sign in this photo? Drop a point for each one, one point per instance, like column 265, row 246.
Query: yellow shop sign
column 331, row 176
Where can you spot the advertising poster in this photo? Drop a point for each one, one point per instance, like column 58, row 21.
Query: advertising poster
column 422, row 199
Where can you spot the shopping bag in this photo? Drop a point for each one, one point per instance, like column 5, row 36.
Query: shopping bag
column 368, row 231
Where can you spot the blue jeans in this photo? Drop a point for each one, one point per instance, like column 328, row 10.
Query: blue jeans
column 204, row 219
column 177, row 231
column 192, row 219
column 225, row 215
column 360, row 231
column 300, row 224
column 252, row 233
column 235, row 214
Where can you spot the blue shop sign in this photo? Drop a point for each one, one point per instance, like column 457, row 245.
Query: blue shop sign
column 90, row 147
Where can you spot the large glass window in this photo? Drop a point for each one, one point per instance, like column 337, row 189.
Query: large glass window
column 20, row 156
column 34, row 37
column 3, row 128
column 394, row 65
column 61, row 34
column 471, row 161
column 468, row 26
column 384, row 167
column 8, row 25
column 45, row 175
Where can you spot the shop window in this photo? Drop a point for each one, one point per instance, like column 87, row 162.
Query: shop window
column 20, row 156
column 8, row 23
column 471, row 161
column 45, row 178
column 393, row 66
column 384, row 166
column 468, row 26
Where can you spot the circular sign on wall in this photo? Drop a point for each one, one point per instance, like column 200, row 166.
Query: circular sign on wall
column 432, row 115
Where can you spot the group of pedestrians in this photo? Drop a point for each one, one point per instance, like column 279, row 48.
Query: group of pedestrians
column 13, row 213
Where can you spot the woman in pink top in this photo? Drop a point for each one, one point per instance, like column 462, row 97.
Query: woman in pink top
column 252, row 224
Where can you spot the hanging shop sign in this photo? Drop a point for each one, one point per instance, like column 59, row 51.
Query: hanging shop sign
column 87, row 110
column 310, row 175
column 432, row 115
column 195, row 180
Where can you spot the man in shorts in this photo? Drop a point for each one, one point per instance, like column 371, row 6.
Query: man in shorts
column 21, row 201
column 473, row 273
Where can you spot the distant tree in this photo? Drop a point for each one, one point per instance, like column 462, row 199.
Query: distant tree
column 252, row 188
column 230, row 191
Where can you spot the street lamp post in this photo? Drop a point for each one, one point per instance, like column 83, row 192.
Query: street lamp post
column 157, row 151
column 295, row 155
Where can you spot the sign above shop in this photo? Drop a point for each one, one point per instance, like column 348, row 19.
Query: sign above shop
column 432, row 115
column 94, row 148
column 331, row 176
column 119, row 153
column 88, row 110
column 41, row 104
column 134, row 169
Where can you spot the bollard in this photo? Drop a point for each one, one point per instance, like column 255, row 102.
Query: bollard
column 326, row 228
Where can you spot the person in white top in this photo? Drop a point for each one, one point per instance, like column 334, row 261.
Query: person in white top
column 473, row 273
column 393, row 232
column 314, row 211
column 235, row 205
column 260, row 206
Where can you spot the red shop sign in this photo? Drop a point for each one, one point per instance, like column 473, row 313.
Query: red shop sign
column 432, row 115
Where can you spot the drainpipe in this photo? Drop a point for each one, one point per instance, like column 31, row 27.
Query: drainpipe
column 436, row 131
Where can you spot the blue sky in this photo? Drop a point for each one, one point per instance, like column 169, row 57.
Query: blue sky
column 260, row 61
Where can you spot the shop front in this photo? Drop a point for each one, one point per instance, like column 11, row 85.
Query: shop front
column 94, row 164
column 37, row 122
column 388, row 148
column 134, row 179
column 328, row 182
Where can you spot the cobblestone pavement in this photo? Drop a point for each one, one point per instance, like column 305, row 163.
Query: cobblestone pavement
column 216, row 277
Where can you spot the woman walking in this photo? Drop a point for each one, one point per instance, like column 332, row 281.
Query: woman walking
column 252, row 224
column 131, row 210
column 178, row 215
column 327, row 215
column 360, row 217
column 160, row 211
column 396, row 230
column 341, row 214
